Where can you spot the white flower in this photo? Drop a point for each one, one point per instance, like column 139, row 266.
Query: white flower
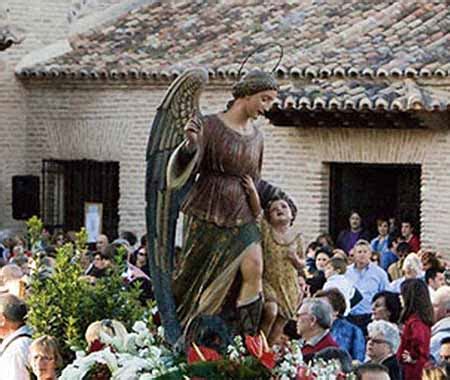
column 160, row 331
column 130, row 342
column 139, row 327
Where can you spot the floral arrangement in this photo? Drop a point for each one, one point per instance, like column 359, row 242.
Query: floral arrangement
column 143, row 355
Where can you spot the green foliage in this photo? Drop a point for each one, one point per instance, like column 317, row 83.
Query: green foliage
column 66, row 303
column 81, row 240
column 34, row 228
column 249, row 368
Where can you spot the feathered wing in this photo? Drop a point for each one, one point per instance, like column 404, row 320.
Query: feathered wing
column 163, row 203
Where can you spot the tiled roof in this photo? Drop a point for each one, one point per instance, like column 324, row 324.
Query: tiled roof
column 403, row 95
column 8, row 36
column 322, row 38
column 7, row 39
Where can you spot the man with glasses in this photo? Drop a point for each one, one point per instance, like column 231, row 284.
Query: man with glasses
column 313, row 324
column 382, row 344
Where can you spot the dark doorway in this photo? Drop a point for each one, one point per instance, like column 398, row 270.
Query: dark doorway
column 67, row 185
column 373, row 190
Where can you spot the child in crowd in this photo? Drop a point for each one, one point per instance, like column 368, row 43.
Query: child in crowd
column 334, row 273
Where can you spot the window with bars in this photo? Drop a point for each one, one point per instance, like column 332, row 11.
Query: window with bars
column 68, row 185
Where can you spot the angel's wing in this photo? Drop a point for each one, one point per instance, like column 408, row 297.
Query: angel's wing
column 179, row 104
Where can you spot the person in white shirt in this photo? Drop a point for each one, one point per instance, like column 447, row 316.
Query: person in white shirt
column 16, row 339
column 334, row 273
column 434, row 277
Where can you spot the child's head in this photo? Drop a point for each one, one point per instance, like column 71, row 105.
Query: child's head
column 280, row 210
column 335, row 265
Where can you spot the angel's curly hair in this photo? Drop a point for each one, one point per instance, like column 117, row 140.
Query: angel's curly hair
column 254, row 82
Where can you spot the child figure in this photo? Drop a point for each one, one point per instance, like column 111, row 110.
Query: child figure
column 335, row 275
column 283, row 257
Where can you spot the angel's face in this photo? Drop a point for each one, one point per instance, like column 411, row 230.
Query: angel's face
column 260, row 103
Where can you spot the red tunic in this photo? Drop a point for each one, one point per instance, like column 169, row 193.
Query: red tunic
column 415, row 339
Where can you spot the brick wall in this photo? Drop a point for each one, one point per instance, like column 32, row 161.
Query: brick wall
column 42, row 22
column 111, row 122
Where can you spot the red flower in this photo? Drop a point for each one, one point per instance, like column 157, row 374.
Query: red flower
column 96, row 345
column 258, row 347
column 202, row 353
column 254, row 345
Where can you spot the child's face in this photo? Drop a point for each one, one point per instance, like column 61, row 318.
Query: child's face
column 329, row 270
column 280, row 212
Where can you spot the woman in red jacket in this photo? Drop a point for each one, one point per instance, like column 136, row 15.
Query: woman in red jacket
column 417, row 317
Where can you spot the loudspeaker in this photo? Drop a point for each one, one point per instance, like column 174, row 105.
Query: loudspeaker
column 25, row 196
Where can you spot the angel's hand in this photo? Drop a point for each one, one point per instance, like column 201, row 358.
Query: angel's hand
column 193, row 130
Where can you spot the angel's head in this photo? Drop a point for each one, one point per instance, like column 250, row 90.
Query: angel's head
column 257, row 91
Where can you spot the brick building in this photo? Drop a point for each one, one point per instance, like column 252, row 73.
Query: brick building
column 361, row 122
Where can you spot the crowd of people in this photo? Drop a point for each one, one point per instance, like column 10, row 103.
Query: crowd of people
column 376, row 303
column 20, row 355
column 382, row 301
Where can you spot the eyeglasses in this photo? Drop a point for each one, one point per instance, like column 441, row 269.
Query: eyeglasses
column 377, row 341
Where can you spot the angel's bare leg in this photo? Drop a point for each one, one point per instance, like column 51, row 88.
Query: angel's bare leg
column 250, row 301
column 251, row 271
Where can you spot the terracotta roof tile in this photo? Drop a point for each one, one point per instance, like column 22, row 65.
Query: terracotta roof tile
column 404, row 95
column 351, row 34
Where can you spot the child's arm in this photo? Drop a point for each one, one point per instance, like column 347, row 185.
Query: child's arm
column 252, row 194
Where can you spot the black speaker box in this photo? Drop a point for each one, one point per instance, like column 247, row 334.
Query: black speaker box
column 25, row 196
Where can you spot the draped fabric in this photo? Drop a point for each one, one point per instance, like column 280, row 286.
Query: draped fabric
column 221, row 226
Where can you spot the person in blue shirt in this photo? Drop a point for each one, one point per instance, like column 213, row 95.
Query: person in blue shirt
column 347, row 335
column 380, row 243
column 390, row 256
column 369, row 279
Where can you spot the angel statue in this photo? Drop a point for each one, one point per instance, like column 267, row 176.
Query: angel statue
column 207, row 166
